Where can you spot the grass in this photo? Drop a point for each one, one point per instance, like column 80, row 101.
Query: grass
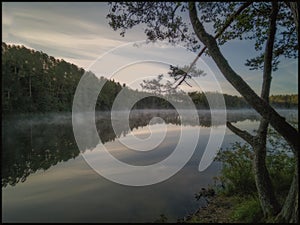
column 247, row 211
column 237, row 201
column 229, row 209
column 217, row 211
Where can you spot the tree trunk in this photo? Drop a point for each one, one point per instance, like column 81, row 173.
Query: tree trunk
column 261, row 106
column 268, row 201
column 29, row 85
column 266, row 194
column 289, row 212
column 290, row 209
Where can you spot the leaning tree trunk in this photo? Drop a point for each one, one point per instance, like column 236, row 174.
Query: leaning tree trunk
column 289, row 133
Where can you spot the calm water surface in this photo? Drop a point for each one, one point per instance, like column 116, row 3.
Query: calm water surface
column 46, row 179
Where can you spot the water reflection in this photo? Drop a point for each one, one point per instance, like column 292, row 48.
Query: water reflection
column 30, row 144
column 26, row 149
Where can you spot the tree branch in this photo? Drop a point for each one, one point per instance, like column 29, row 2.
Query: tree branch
column 191, row 66
column 241, row 133
column 261, row 106
column 226, row 25
column 232, row 18
column 294, row 7
column 187, row 83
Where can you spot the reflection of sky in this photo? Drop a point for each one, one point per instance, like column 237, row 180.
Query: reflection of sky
column 79, row 33
column 72, row 192
column 134, row 153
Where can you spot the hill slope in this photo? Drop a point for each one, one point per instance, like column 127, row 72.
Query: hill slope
column 32, row 81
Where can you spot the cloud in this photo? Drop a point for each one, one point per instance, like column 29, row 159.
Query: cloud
column 85, row 46
column 73, row 31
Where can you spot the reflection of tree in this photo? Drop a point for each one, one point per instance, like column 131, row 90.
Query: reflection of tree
column 29, row 147
column 142, row 118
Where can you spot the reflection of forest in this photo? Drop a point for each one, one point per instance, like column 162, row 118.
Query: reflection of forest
column 31, row 146
column 28, row 148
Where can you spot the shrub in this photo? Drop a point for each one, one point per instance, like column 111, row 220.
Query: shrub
column 280, row 163
column 236, row 174
column 248, row 211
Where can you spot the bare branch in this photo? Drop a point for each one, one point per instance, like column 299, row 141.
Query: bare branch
column 226, row 25
column 241, row 133
column 230, row 19
column 294, row 7
column 191, row 66
column 187, row 83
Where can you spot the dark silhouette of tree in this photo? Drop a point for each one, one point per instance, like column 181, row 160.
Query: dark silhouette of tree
column 32, row 81
column 165, row 23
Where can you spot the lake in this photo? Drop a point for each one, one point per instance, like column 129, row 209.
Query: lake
column 45, row 178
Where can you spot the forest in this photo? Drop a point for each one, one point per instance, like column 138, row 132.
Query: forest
column 53, row 111
column 32, row 81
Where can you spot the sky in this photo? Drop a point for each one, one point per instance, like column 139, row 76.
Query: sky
column 79, row 33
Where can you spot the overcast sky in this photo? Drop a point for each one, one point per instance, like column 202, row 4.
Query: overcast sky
column 79, row 33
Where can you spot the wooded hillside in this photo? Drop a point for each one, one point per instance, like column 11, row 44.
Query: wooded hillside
column 32, row 81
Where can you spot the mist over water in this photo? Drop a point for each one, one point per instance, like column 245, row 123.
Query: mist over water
column 233, row 115
column 45, row 178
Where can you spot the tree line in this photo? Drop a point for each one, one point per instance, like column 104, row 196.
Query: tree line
column 32, row 81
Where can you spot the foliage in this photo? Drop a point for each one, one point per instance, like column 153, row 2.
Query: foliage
column 205, row 194
column 248, row 211
column 237, row 175
column 32, row 81
column 284, row 101
column 162, row 219
column 167, row 21
column 155, row 86
column 162, row 20
column 280, row 162
column 175, row 72
column 200, row 99
column 252, row 24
